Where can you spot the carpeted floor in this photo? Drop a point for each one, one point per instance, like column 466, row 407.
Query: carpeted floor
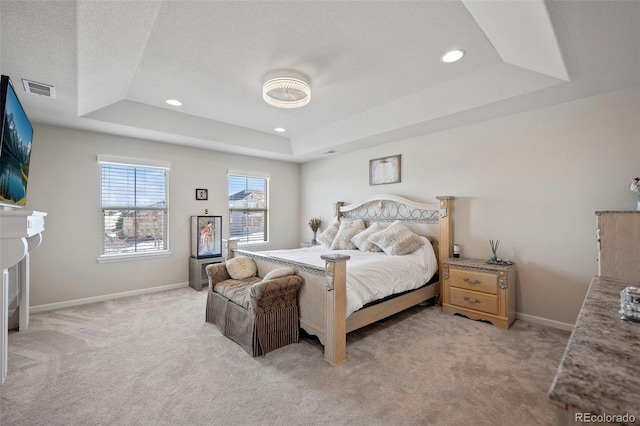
column 152, row 360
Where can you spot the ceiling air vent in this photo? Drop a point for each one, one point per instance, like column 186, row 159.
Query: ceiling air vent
column 39, row 88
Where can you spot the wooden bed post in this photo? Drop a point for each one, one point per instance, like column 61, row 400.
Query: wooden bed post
column 445, row 246
column 228, row 247
column 335, row 347
column 335, row 206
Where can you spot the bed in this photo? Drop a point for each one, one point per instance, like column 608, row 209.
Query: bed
column 330, row 303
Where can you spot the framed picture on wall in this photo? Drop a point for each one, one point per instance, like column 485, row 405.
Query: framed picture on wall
column 202, row 194
column 384, row 170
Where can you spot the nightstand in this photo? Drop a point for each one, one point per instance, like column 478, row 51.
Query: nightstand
column 197, row 274
column 480, row 290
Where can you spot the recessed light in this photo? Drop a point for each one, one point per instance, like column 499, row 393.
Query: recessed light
column 174, row 102
column 280, row 129
column 452, row 56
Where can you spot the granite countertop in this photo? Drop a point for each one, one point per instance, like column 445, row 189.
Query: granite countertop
column 600, row 369
column 477, row 264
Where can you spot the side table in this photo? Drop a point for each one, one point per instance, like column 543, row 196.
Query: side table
column 480, row 290
column 197, row 274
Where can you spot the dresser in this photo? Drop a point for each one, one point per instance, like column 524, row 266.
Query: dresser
column 618, row 237
column 480, row 290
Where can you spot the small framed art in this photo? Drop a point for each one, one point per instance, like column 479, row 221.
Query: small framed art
column 202, row 194
column 384, row 170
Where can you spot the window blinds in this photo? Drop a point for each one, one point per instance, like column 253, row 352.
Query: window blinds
column 134, row 209
column 248, row 208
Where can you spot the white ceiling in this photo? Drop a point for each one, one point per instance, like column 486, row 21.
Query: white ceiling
column 374, row 67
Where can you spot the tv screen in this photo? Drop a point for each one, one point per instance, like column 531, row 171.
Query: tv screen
column 15, row 147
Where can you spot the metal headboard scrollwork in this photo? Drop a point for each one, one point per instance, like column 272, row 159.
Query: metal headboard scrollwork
column 383, row 208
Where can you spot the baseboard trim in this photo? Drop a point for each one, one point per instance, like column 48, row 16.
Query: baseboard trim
column 87, row 300
column 77, row 302
column 544, row 321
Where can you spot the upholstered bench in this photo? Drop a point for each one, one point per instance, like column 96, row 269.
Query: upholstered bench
column 260, row 314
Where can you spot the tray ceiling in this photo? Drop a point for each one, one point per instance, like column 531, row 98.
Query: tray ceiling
column 374, row 67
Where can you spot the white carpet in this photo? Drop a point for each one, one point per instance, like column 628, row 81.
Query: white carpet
column 152, row 360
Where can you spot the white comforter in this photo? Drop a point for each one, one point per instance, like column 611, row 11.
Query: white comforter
column 372, row 276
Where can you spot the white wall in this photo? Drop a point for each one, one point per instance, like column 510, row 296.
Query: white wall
column 64, row 181
column 531, row 180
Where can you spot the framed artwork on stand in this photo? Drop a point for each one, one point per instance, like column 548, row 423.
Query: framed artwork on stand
column 206, row 236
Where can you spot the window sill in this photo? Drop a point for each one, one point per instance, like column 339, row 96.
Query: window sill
column 130, row 257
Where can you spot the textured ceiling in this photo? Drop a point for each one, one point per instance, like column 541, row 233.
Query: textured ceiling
column 374, row 67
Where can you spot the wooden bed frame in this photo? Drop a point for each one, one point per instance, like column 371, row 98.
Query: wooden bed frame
column 322, row 298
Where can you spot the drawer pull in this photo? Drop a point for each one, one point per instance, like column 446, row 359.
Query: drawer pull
column 468, row 281
column 471, row 301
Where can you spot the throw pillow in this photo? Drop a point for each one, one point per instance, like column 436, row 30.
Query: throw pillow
column 327, row 236
column 278, row 273
column 361, row 239
column 346, row 232
column 396, row 240
column 240, row 268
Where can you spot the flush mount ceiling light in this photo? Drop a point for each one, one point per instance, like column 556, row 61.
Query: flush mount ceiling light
column 286, row 92
column 452, row 56
column 174, row 102
column 280, row 129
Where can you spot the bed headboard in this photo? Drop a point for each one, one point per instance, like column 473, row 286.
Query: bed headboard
column 434, row 221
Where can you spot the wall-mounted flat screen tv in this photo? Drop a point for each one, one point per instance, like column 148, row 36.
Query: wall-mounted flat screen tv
column 15, row 147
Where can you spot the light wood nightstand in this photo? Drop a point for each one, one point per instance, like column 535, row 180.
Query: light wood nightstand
column 480, row 290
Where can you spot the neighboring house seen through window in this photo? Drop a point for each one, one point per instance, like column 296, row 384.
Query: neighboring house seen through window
column 248, row 207
column 134, row 207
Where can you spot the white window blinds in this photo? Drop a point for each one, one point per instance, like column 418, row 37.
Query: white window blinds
column 248, row 208
column 134, row 208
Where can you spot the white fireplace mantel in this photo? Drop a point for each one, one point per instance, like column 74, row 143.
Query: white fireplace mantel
column 20, row 233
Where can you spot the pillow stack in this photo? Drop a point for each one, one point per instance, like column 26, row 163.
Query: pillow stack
column 395, row 239
column 327, row 236
column 361, row 240
column 346, row 232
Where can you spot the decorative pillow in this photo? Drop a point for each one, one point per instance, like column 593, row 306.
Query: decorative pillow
column 278, row 273
column 347, row 230
column 361, row 239
column 327, row 236
column 396, row 240
column 240, row 268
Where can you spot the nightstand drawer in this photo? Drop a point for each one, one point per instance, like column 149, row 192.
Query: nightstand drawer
column 474, row 300
column 474, row 280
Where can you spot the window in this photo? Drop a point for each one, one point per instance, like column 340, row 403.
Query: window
column 134, row 207
column 248, row 207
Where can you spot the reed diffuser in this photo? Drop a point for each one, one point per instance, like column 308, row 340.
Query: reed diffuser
column 494, row 249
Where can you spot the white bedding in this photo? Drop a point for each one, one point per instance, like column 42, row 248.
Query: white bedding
column 372, row 276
